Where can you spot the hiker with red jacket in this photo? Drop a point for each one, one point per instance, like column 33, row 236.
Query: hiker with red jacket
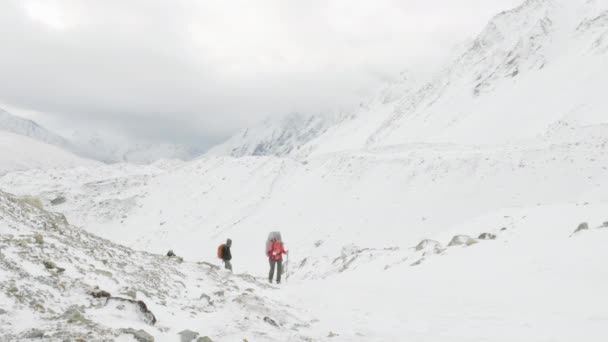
column 275, row 251
column 225, row 255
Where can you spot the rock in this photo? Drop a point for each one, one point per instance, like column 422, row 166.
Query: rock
column 332, row 334
column 74, row 315
column 204, row 339
column 60, row 269
column 271, row 321
column 59, row 200
column 49, row 264
column 605, row 224
column 139, row 335
column 38, row 239
column 503, row 229
column 460, row 240
column 103, row 273
column 582, row 226
column 427, row 244
column 219, row 293
column 34, row 333
column 188, row 335
column 149, row 317
column 487, row 236
column 2, row 311
column 97, row 293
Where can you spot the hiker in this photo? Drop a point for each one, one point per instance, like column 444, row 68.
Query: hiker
column 225, row 255
column 275, row 251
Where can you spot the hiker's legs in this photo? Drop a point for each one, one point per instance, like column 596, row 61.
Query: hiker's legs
column 279, row 269
column 228, row 265
column 271, row 273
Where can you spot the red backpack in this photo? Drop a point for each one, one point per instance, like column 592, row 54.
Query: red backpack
column 220, row 251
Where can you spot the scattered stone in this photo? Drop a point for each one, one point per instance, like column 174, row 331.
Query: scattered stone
column 49, row 264
column 582, row 226
column 206, row 339
column 2, row 311
column 34, row 333
column 149, row 317
column 219, row 293
column 428, row 245
column 97, row 293
column 60, row 269
column 605, row 224
column 271, row 321
column 131, row 293
column 503, row 229
column 38, row 239
column 332, row 334
column 460, row 240
column 139, row 335
column 418, row 262
column 103, row 273
column 59, row 200
column 74, row 315
column 188, row 335
column 487, row 236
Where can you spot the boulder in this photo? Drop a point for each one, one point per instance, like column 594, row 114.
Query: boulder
column 188, row 335
column 34, row 333
column 59, row 200
column 49, row 265
column 462, row 240
column 74, row 314
column 428, row 245
column 97, row 293
column 204, row 339
column 605, row 224
column 581, row 227
column 271, row 322
column 148, row 316
column 487, row 236
column 38, row 239
column 139, row 335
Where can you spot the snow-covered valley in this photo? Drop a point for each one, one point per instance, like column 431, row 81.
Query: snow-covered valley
column 472, row 207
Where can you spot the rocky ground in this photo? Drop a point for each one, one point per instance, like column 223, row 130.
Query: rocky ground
column 62, row 283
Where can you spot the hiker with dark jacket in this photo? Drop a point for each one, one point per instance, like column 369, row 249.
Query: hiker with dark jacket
column 226, row 255
column 275, row 253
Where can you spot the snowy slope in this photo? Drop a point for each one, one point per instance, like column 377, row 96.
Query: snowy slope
column 534, row 67
column 18, row 152
column 48, row 293
column 274, row 137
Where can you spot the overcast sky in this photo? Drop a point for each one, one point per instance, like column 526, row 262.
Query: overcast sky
column 196, row 71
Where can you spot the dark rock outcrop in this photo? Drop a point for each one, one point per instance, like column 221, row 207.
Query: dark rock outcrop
column 148, row 316
column 487, row 236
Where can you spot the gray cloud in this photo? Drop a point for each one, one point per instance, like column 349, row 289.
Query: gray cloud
column 196, row 71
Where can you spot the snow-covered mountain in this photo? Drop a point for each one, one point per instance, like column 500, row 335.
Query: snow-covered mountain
column 534, row 67
column 275, row 137
column 112, row 149
column 106, row 148
column 472, row 207
column 18, row 152
column 17, row 125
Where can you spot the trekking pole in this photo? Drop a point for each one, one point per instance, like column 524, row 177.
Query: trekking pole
column 287, row 267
